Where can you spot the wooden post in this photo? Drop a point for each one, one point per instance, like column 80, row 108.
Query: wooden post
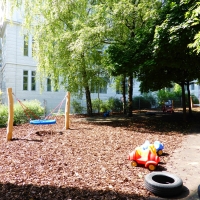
column 67, row 110
column 10, row 114
column 191, row 102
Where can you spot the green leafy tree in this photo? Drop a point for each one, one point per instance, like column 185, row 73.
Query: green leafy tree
column 192, row 19
column 68, row 36
column 127, row 51
column 67, row 41
column 173, row 61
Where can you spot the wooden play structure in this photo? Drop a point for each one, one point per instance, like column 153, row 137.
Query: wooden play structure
column 34, row 122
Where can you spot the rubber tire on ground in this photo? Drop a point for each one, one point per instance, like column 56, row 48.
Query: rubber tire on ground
column 163, row 184
column 198, row 190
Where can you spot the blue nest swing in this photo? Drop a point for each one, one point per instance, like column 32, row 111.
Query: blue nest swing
column 42, row 121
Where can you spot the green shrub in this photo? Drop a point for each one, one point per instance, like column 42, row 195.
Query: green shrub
column 114, row 104
column 140, row 102
column 77, row 108
column 99, row 105
column 104, row 106
column 32, row 109
column 195, row 100
column 3, row 115
column 96, row 104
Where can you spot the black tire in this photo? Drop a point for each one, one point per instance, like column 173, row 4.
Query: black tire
column 163, row 184
column 198, row 190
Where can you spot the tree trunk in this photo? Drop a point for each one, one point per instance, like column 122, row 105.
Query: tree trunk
column 183, row 101
column 88, row 101
column 189, row 100
column 86, row 87
column 124, row 93
column 130, row 96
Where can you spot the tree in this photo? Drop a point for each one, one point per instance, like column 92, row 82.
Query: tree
column 67, row 43
column 127, row 51
column 192, row 19
column 173, row 61
column 68, row 35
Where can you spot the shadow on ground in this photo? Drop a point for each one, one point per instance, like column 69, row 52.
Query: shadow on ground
column 158, row 121
column 26, row 192
column 185, row 195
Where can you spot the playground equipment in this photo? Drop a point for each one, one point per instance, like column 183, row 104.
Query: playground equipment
column 41, row 122
column 157, row 147
column 10, row 114
column 146, row 158
column 168, row 106
column 147, row 154
column 45, row 121
column 163, row 184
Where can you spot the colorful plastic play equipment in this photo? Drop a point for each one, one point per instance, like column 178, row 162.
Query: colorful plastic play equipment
column 147, row 158
column 156, row 147
column 168, row 107
column 42, row 122
column 147, row 154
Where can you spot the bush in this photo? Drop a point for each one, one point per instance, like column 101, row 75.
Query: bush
column 195, row 100
column 34, row 110
column 140, row 102
column 3, row 115
column 113, row 104
column 77, row 108
column 96, row 104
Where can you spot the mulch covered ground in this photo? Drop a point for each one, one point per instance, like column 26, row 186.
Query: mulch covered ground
column 87, row 161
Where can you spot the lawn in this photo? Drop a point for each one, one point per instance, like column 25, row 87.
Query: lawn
column 87, row 161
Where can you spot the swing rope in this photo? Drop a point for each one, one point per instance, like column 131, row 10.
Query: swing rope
column 26, row 110
column 58, row 106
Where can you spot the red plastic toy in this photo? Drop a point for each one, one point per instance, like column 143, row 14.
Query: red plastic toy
column 168, row 106
column 147, row 158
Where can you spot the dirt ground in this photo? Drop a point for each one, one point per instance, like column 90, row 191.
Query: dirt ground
column 89, row 160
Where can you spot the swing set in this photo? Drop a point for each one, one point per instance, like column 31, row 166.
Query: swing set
column 29, row 113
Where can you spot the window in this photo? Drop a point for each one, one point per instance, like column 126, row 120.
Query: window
column 25, row 45
column 25, row 80
column 97, row 88
column 33, row 81
column 103, row 89
column 48, row 84
column 29, row 80
column 119, row 88
column 192, row 86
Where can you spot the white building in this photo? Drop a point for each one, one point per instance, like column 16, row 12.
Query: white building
column 18, row 68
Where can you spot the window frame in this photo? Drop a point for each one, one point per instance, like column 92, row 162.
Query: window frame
column 33, row 81
column 25, row 83
column 49, row 85
column 26, row 45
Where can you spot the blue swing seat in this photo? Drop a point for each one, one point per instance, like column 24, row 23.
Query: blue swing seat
column 42, row 121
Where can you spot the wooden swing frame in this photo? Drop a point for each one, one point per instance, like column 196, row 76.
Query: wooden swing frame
column 42, row 122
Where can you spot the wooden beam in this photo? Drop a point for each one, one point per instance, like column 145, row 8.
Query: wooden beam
column 10, row 114
column 67, row 110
